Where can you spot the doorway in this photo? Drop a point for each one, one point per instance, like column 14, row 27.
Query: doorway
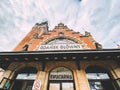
column 24, row 79
column 99, row 78
column 23, row 85
column 61, row 85
column 61, row 78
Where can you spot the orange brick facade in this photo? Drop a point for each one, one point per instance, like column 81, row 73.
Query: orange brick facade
column 45, row 36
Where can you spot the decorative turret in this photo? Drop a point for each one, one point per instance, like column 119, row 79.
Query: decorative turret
column 119, row 46
column 87, row 33
column 43, row 26
column 61, row 26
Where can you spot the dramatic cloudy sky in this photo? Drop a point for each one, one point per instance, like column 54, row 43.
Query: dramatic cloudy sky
column 100, row 17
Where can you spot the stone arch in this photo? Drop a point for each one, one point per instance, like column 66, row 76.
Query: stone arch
column 28, row 69
column 24, row 65
column 71, row 65
column 61, row 66
column 72, row 38
column 64, row 37
column 104, row 65
column 96, row 68
column 99, row 77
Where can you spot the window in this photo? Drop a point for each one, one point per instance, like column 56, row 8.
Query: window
column 61, row 78
column 25, row 47
column 61, row 41
column 99, row 78
column 36, row 36
column 24, row 79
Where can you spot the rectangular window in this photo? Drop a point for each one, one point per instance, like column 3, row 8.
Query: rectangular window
column 26, row 76
column 54, row 86
column 67, row 86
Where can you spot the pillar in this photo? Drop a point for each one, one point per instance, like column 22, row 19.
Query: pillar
column 81, row 81
column 42, row 76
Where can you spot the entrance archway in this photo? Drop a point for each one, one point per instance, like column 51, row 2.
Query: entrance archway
column 61, row 78
column 99, row 78
column 24, row 79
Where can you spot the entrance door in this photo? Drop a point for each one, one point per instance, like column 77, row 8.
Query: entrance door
column 24, row 79
column 67, row 86
column 61, row 78
column 61, row 86
column 99, row 78
column 22, row 85
column 54, row 86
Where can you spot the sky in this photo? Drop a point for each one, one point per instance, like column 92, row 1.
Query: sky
column 99, row 17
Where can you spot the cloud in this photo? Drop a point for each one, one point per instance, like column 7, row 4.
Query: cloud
column 100, row 17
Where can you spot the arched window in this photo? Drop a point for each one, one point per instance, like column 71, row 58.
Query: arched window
column 61, row 41
column 61, row 78
column 24, row 79
column 99, row 78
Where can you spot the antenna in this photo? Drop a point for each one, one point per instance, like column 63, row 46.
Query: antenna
column 83, row 29
column 115, row 43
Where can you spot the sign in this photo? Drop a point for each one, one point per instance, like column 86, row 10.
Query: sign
column 60, row 77
column 36, row 85
column 60, row 47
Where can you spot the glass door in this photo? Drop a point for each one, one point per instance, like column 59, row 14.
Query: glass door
column 61, row 78
column 61, row 86
column 67, row 86
column 54, row 86
column 24, row 79
column 22, row 85
column 99, row 78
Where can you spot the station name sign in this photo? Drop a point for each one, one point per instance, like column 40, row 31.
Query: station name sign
column 60, row 47
column 60, row 77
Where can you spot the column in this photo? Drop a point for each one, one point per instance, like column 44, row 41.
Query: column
column 42, row 76
column 81, row 81
column 117, row 76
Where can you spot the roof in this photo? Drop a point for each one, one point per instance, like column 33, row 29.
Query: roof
column 67, row 55
column 103, row 54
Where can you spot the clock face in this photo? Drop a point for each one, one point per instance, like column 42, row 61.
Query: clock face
column 61, row 41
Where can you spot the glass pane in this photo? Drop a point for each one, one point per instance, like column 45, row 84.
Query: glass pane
column 54, row 86
column 61, row 41
column 61, row 73
column 26, row 76
column 118, row 81
column 28, row 88
column 96, row 86
column 67, row 86
column 97, row 76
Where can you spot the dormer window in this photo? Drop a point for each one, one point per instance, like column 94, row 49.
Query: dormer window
column 25, row 47
column 61, row 34
column 35, row 36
